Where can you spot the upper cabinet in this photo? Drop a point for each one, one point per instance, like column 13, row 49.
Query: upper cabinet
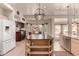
column 6, row 11
column 9, row 13
column 19, row 17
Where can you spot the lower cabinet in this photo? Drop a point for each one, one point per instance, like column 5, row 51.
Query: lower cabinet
column 65, row 42
column 18, row 36
column 75, row 47
column 70, row 44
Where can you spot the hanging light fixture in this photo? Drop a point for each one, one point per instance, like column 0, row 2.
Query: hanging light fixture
column 39, row 13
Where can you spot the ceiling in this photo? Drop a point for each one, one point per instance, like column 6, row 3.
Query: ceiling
column 50, row 9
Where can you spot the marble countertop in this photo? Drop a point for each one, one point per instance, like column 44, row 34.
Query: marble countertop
column 73, row 37
column 39, row 36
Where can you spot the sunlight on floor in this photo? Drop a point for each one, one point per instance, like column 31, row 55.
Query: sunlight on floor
column 57, row 46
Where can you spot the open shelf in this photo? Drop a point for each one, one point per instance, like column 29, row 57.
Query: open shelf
column 40, row 47
column 39, row 52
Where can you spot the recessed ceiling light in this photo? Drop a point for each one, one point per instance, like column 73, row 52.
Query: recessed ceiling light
column 44, row 6
column 57, row 8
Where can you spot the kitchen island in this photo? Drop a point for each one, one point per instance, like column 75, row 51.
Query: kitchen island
column 70, row 44
column 39, row 45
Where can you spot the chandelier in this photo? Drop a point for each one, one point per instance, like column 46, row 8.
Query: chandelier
column 39, row 13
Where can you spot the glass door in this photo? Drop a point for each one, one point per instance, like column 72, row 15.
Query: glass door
column 57, row 31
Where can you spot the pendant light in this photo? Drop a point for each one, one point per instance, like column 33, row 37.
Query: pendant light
column 39, row 13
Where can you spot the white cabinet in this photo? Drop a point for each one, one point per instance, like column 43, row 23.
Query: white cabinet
column 75, row 46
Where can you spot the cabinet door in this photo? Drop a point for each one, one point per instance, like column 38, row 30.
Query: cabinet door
column 75, row 47
column 6, row 30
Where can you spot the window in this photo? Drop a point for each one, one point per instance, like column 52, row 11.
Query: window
column 57, row 31
column 74, row 29
column 65, row 29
